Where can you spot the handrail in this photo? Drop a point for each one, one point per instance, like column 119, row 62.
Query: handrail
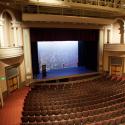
column 77, row 8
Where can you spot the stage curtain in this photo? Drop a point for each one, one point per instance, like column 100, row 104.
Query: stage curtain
column 38, row 34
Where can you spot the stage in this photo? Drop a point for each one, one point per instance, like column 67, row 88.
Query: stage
column 65, row 72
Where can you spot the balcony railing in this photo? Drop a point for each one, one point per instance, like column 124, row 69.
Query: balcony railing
column 114, row 47
column 110, row 3
column 82, row 8
column 10, row 52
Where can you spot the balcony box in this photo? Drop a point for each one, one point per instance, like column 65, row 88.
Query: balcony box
column 10, row 52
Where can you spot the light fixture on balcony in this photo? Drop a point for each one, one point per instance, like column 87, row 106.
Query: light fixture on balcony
column 53, row 2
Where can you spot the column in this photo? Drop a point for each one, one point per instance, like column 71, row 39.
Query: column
column 100, row 52
column 105, row 35
column 106, row 61
column 111, row 38
column 27, row 53
column 14, row 26
column 124, row 65
column 19, row 34
column 1, row 34
column 122, row 33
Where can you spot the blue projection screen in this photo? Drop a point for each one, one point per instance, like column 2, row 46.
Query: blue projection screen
column 57, row 54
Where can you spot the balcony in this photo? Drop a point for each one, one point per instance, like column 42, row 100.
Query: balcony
column 114, row 47
column 81, row 8
column 95, row 12
column 10, row 52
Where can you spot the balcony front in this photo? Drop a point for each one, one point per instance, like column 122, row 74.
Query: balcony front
column 114, row 47
column 10, row 52
column 80, row 8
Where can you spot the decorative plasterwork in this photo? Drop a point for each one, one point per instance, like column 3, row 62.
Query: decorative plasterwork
column 60, row 18
column 114, row 47
column 10, row 52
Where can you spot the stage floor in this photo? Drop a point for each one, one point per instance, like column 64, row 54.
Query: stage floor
column 55, row 73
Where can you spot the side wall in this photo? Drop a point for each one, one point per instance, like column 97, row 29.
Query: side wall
column 114, row 39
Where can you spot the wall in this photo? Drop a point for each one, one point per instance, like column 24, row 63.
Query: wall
column 9, row 62
column 100, row 50
column 117, row 37
column 3, row 84
column 22, row 72
column 11, row 36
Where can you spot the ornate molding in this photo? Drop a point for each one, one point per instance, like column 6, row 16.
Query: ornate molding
column 10, row 52
column 114, row 47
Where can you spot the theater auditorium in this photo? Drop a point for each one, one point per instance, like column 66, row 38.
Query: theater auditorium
column 62, row 62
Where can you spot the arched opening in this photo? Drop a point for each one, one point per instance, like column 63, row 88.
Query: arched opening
column 118, row 31
column 7, row 28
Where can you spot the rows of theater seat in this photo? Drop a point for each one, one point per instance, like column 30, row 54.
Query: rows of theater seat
column 100, row 101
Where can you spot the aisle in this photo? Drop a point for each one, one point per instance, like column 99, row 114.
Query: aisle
column 10, row 114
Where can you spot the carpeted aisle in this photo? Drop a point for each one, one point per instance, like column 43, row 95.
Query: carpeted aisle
column 10, row 114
